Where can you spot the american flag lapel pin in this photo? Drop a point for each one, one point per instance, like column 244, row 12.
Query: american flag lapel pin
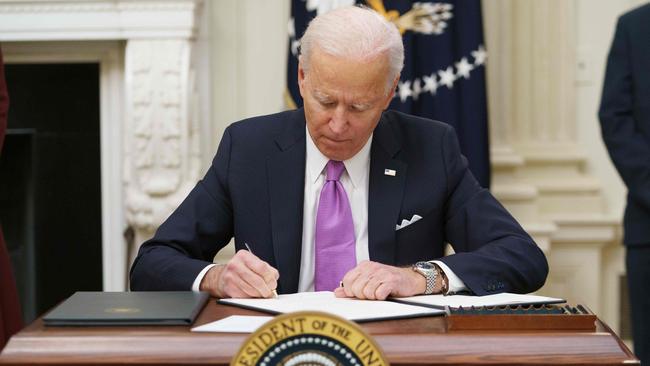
column 390, row 172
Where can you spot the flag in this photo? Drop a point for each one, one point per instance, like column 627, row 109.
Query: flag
column 444, row 68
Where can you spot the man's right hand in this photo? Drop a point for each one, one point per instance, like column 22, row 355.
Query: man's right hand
column 244, row 276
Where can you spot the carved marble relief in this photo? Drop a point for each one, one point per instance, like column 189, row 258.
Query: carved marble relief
column 162, row 156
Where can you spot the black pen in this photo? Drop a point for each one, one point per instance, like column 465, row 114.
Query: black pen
column 275, row 293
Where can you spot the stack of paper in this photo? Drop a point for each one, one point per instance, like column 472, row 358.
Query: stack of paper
column 456, row 301
column 351, row 309
column 360, row 310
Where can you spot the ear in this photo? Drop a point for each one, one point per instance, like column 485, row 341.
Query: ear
column 390, row 95
column 301, row 77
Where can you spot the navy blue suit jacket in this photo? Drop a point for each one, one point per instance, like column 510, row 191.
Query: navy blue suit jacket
column 254, row 192
column 625, row 117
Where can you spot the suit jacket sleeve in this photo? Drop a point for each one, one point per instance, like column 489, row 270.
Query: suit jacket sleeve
column 190, row 238
column 493, row 252
column 628, row 147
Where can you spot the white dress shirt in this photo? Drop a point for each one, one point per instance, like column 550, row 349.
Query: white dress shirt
column 355, row 180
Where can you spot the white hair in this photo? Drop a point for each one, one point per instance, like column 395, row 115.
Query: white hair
column 355, row 33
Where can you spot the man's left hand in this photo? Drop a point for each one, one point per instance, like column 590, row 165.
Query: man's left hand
column 375, row 281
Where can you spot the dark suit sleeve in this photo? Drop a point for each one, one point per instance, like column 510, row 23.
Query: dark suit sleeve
column 628, row 147
column 190, row 238
column 493, row 252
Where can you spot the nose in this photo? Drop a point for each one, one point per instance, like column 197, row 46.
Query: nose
column 339, row 120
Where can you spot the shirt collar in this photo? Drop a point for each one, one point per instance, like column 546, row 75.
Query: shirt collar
column 357, row 166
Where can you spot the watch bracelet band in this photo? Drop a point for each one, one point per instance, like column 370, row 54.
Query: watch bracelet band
column 431, row 276
column 431, row 282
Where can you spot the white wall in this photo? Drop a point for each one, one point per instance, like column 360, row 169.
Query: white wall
column 249, row 46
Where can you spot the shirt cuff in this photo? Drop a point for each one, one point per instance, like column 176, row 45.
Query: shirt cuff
column 197, row 282
column 455, row 284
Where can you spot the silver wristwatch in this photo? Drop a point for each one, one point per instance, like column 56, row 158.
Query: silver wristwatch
column 430, row 273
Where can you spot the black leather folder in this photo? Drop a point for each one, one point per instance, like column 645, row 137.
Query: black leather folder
column 128, row 308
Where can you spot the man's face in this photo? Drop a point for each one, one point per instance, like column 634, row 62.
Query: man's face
column 343, row 101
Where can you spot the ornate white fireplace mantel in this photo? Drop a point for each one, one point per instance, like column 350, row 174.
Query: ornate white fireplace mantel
column 150, row 148
column 51, row 20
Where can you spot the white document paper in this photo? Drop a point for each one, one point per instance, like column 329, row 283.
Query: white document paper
column 351, row 309
column 456, row 301
column 234, row 324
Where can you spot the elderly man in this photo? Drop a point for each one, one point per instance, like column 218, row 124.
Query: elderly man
column 342, row 195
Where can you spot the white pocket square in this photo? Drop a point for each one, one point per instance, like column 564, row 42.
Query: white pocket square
column 406, row 222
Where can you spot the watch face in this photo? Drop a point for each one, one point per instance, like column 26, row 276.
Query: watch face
column 425, row 265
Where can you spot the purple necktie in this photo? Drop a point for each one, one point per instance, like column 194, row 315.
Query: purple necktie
column 335, row 240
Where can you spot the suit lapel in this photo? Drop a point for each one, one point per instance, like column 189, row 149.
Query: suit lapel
column 286, row 174
column 385, row 192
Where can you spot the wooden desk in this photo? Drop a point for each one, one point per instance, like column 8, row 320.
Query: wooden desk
column 420, row 341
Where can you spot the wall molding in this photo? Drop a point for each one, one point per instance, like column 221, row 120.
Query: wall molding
column 97, row 20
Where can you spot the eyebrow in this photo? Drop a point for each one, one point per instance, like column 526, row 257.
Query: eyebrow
column 320, row 95
column 362, row 105
column 326, row 97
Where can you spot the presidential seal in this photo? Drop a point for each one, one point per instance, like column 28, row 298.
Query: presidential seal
column 309, row 338
column 122, row 310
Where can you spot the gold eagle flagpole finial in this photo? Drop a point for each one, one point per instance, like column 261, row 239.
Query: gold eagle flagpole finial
column 426, row 18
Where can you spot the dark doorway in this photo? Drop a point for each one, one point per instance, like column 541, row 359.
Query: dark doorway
column 50, row 193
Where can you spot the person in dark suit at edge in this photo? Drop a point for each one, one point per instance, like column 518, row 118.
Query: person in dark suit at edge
column 625, row 125
column 10, row 315
column 342, row 195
